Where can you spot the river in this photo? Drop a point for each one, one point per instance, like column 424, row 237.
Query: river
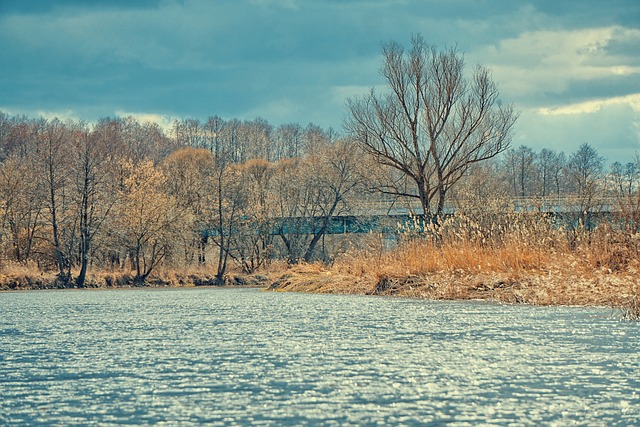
column 236, row 357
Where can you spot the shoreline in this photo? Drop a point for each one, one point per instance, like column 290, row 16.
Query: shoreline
column 537, row 287
column 132, row 287
column 34, row 281
column 534, row 288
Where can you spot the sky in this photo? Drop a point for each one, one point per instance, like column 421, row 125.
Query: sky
column 571, row 68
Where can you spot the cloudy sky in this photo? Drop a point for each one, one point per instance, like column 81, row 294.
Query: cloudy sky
column 571, row 67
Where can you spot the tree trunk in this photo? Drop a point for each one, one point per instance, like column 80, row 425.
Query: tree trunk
column 314, row 242
column 85, row 235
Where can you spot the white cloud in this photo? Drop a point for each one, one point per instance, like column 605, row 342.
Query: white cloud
column 164, row 121
column 63, row 115
column 573, row 86
column 592, row 106
column 551, row 60
column 611, row 126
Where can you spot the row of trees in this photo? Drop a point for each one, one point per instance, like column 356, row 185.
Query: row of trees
column 252, row 139
column 65, row 186
column 122, row 194
column 549, row 173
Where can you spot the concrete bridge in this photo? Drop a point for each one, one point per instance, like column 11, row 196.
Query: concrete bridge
column 382, row 216
column 555, row 204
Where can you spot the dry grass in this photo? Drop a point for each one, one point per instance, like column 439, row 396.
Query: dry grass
column 514, row 258
column 24, row 276
column 523, row 259
column 16, row 276
column 631, row 309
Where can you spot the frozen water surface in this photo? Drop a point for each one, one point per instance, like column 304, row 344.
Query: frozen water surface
column 227, row 357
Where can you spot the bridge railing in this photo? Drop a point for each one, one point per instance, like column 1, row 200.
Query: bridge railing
column 553, row 204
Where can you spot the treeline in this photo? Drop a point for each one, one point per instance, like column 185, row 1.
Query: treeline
column 549, row 173
column 581, row 184
column 121, row 194
column 124, row 195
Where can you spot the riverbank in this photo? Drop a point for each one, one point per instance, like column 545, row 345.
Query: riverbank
column 620, row 292
column 560, row 281
column 467, row 272
column 27, row 277
column 513, row 274
column 533, row 287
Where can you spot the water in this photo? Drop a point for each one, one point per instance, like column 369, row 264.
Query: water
column 227, row 357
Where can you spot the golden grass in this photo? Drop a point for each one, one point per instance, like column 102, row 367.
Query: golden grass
column 24, row 276
column 517, row 262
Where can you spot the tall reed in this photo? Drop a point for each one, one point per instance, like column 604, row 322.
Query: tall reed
column 527, row 256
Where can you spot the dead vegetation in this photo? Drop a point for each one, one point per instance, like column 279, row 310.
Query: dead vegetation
column 522, row 258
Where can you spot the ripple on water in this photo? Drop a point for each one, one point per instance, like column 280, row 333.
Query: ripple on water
column 242, row 357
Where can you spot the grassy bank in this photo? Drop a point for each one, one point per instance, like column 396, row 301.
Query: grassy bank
column 28, row 277
column 519, row 260
column 557, row 282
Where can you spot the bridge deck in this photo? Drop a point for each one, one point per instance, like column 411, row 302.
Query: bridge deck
column 388, row 217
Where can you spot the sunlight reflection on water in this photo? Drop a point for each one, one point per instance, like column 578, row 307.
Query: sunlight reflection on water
column 244, row 357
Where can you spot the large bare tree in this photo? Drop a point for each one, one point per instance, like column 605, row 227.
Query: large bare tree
column 431, row 124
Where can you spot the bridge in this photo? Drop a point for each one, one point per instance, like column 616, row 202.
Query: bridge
column 554, row 204
column 386, row 216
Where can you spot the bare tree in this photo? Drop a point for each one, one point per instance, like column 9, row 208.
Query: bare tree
column 631, row 172
column 433, row 123
column 521, row 168
column 230, row 199
column 189, row 172
column 213, row 130
column 557, row 169
column 585, row 169
column 288, row 141
column 93, row 188
column 309, row 192
column 5, row 129
column 617, row 176
column 257, row 136
column 52, row 160
column 145, row 141
column 22, row 201
column 546, row 162
column 252, row 247
column 147, row 219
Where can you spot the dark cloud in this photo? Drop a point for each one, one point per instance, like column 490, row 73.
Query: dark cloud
column 47, row 6
column 298, row 60
column 579, row 91
column 585, row 13
column 624, row 45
